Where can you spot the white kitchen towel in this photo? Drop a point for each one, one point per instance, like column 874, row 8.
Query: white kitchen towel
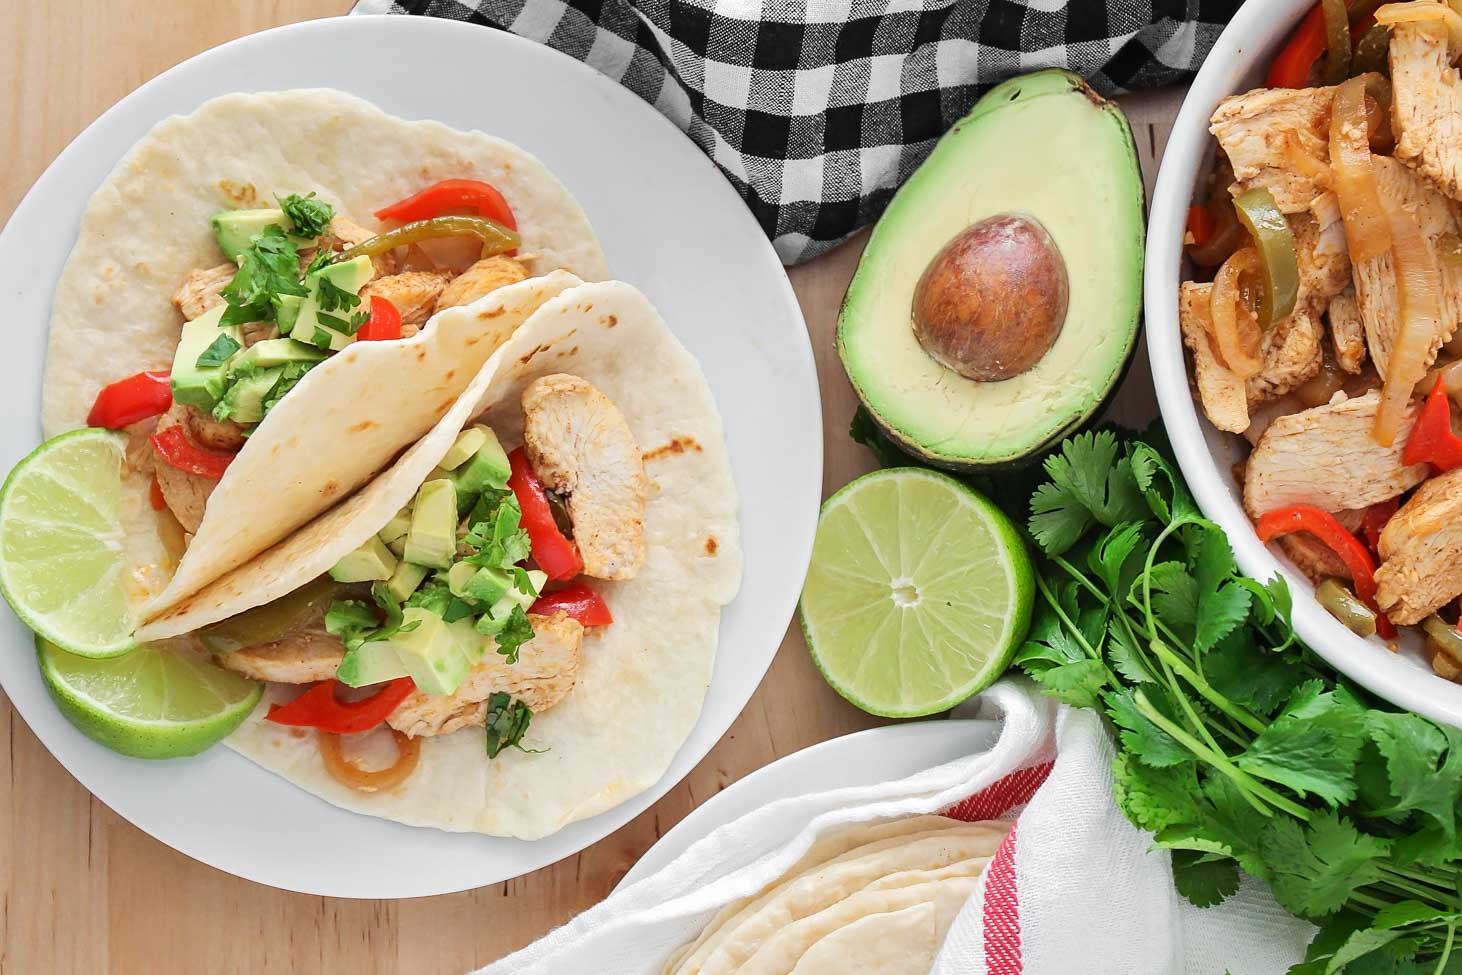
column 1074, row 888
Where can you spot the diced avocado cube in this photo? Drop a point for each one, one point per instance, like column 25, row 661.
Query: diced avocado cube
column 431, row 652
column 487, row 468
column 406, row 580
column 497, row 617
column 276, row 352
column 484, row 584
column 370, row 663
column 372, row 562
column 236, row 229
column 474, row 646
column 192, row 384
column 432, row 538
column 287, row 311
column 243, row 401
column 466, row 444
column 351, row 276
column 394, row 534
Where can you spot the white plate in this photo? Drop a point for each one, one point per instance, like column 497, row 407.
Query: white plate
column 670, row 224
column 865, row 758
column 1237, row 63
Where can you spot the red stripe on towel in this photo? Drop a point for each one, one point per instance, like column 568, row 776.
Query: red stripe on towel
column 1002, row 911
column 995, row 801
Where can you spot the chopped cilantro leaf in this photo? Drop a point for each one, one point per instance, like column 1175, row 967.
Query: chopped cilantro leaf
column 351, row 620
column 268, row 267
column 332, row 297
column 517, row 632
column 219, row 352
column 507, row 723
column 321, row 339
column 311, row 217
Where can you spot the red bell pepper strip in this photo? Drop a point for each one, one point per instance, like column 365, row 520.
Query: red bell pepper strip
column 1373, row 522
column 1322, row 524
column 319, row 708
column 448, row 195
column 579, row 601
column 155, row 496
column 1200, row 224
column 126, row 401
column 384, row 323
column 1291, row 69
column 556, row 555
column 1432, row 439
column 175, row 447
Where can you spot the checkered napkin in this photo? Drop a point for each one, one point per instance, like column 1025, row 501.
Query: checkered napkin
column 1074, row 888
column 816, row 110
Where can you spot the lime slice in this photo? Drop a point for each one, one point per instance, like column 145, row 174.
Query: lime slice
column 62, row 562
column 151, row 703
column 918, row 595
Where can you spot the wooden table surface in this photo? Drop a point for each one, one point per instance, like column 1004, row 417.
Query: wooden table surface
column 81, row 890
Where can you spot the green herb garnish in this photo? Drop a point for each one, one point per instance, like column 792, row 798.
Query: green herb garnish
column 1238, row 748
column 507, row 723
column 311, row 217
column 517, row 632
column 219, row 352
column 268, row 268
column 321, row 339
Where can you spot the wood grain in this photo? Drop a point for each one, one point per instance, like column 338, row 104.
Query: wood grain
column 82, row 891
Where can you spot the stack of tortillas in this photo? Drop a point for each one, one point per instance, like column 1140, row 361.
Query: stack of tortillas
column 868, row 898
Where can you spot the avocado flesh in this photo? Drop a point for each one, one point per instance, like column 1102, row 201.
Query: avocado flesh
column 432, row 538
column 372, row 562
column 1046, row 147
column 196, row 385
column 243, row 402
column 351, row 276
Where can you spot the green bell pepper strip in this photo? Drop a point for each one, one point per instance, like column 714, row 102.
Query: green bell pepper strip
column 495, row 238
column 1278, row 262
column 1337, row 41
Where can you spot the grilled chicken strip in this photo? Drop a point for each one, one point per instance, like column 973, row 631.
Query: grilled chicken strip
column 211, row 433
column 1316, row 560
column 1325, row 457
column 186, row 494
column 1322, row 251
column 486, row 276
column 1347, row 331
column 580, row 446
column 1421, row 552
column 202, row 289
column 414, row 293
column 303, row 657
column 1407, row 196
column 1219, row 391
column 1426, row 102
column 1257, row 129
column 547, row 667
column 1292, row 354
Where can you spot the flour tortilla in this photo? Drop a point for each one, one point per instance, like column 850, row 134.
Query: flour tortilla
column 847, row 843
column 148, row 225
column 642, row 679
column 903, row 942
column 922, row 858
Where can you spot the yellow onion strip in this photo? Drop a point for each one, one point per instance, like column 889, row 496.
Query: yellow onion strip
column 1302, row 162
column 1421, row 11
column 1234, row 328
column 1419, row 290
column 347, row 773
column 1366, row 229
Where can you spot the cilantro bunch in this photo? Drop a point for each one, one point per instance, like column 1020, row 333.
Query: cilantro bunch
column 1239, row 749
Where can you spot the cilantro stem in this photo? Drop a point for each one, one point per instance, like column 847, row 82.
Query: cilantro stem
column 1410, row 889
column 1252, row 789
column 1075, row 630
column 1446, row 950
column 1202, row 686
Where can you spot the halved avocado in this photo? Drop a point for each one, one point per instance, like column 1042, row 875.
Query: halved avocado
column 953, row 330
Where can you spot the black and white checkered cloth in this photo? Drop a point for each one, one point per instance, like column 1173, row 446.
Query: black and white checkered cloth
column 818, row 110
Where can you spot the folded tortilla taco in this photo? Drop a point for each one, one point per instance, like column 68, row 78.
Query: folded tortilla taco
column 529, row 595
column 253, row 296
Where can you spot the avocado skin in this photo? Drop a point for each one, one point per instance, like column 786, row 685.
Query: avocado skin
column 1032, row 451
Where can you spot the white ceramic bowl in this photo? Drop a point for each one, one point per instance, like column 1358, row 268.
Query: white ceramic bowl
column 1238, row 62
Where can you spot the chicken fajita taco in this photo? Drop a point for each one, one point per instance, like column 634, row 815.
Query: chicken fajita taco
column 551, row 556
column 251, row 298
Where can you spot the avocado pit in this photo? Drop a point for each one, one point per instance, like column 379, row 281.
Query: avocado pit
column 993, row 301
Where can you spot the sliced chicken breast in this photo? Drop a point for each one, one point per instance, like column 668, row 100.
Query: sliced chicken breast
column 482, row 278
column 202, row 289
column 1347, row 331
column 185, row 494
column 1326, row 457
column 1421, row 552
column 1426, row 104
column 1256, row 130
column 414, row 293
column 300, row 658
column 1220, row 392
column 547, row 668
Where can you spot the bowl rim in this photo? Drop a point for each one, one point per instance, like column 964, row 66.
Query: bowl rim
column 1252, row 36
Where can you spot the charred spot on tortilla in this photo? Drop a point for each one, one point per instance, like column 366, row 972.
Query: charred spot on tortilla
column 421, row 353
column 449, row 375
column 677, row 445
column 484, row 316
column 711, row 545
column 244, row 195
column 532, row 355
column 446, row 405
column 329, row 487
column 362, row 426
column 611, row 321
